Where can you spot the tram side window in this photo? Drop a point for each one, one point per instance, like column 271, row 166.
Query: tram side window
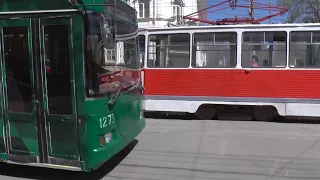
column 127, row 54
column 214, row 50
column 264, row 49
column 142, row 42
column 169, row 50
column 127, row 50
column 304, row 49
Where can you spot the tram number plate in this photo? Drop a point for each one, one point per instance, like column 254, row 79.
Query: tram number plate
column 107, row 121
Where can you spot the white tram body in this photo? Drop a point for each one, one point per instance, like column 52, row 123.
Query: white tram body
column 272, row 69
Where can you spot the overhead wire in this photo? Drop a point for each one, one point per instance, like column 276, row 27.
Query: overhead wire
column 237, row 10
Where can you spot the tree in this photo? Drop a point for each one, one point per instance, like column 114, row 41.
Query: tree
column 300, row 11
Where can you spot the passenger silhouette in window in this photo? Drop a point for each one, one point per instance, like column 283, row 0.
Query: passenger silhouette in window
column 266, row 63
column 221, row 63
column 254, row 61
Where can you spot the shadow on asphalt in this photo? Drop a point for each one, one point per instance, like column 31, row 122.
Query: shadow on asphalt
column 188, row 116
column 182, row 116
column 53, row 174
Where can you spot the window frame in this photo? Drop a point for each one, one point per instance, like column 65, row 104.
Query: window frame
column 264, row 43
column 311, row 31
column 236, row 44
column 166, row 34
column 142, row 63
column 140, row 16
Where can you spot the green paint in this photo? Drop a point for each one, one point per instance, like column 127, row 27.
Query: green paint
column 62, row 128
column 20, row 127
column 75, row 136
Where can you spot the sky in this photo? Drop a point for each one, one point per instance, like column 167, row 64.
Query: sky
column 242, row 12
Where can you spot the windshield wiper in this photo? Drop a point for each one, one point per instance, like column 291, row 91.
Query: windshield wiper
column 116, row 95
column 114, row 98
column 135, row 86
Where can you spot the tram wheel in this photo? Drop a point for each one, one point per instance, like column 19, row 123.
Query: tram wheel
column 264, row 113
column 206, row 112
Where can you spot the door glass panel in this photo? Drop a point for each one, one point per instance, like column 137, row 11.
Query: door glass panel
column 56, row 47
column 17, row 60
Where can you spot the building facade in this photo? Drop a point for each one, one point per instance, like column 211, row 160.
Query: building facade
column 166, row 13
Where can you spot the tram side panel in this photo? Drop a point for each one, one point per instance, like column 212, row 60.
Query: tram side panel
column 290, row 88
column 233, row 86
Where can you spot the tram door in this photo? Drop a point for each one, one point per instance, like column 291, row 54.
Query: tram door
column 38, row 91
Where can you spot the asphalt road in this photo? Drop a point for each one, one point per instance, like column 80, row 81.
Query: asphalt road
column 203, row 150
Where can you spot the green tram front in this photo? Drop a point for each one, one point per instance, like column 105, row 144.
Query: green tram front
column 71, row 96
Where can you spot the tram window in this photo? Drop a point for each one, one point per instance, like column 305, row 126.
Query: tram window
column 214, row 50
column 127, row 50
column 127, row 54
column 17, row 61
column 304, row 49
column 169, row 50
column 142, row 43
column 264, row 49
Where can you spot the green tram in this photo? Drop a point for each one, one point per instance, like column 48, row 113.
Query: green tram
column 71, row 94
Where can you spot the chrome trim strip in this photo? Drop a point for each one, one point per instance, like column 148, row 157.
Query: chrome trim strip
column 232, row 99
column 52, row 166
column 55, row 163
column 17, row 158
column 64, row 162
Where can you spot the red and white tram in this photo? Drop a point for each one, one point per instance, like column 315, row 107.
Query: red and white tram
column 267, row 69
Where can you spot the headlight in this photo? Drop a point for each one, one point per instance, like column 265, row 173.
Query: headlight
column 108, row 137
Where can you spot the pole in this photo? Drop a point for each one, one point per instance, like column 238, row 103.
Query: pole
column 270, row 10
column 251, row 9
column 154, row 13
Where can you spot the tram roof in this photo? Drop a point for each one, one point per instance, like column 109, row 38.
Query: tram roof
column 242, row 26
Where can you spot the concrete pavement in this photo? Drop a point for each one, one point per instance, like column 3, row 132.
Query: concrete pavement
column 202, row 150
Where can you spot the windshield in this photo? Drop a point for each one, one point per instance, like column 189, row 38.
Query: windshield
column 107, row 57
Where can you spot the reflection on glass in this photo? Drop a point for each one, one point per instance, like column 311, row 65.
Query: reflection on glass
column 170, row 51
column 127, row 54
column 215, row 50
column 141, row 42
column 57, row 67
column 104, row 66
column 264, row 49
column 17, row 60
column 304, row 50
